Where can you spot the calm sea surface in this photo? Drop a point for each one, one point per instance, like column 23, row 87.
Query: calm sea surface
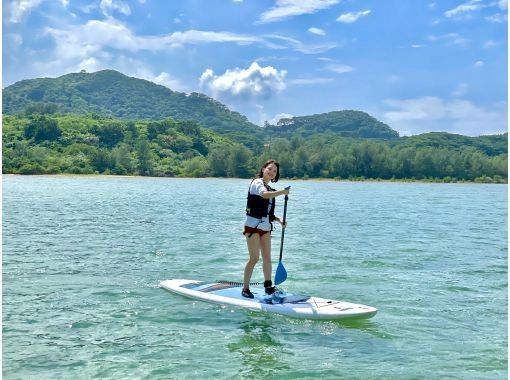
column 83, row 256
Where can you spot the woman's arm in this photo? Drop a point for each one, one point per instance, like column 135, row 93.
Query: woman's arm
column 274, row 194
column 279, row 220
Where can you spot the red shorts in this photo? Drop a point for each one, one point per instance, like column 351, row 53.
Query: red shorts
column 251, row 230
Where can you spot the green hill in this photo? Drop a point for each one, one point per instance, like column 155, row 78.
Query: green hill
column 112, row 94
column 492, row 145
column 347, row 123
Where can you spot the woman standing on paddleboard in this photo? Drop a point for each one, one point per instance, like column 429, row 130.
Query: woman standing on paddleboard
column 258, row 226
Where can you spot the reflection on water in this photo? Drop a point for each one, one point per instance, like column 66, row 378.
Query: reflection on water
column 265, row 355
column 365, row 325
column 260, row 351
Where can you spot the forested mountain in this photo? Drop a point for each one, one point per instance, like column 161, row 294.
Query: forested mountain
column 110, row 93
column 492, row 145
column 344, row 123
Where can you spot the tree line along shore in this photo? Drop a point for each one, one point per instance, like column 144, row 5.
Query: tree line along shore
column 92, row 144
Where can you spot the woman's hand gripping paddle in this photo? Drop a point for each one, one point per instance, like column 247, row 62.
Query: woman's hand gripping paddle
column 281, row 273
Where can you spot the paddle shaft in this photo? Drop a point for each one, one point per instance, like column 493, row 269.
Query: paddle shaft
column 283, row 229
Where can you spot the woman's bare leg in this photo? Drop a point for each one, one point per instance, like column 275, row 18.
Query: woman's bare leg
column 265, row 246
column 253, row 243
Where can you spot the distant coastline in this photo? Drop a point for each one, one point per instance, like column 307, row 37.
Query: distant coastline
column 499, row 181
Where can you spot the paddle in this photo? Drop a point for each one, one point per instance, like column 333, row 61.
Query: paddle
column 281, row 273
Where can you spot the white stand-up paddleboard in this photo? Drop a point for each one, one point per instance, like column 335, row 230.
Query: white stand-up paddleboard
column 292, row 305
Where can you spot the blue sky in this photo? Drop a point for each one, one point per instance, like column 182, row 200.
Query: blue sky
column 419, row 66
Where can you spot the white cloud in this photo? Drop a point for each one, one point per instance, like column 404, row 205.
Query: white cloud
column 298, row 45
column 108, row 6
column 85, row 40
column 90, row 64
column 349, row 18
column 276, row 118
column 464, row 9
column 490, row 44
column 460, row 90
column 450, row 39
column 415, row 109
column 95, row 35
column 317, row 31
column 87, row 8
column 253, row 82
column 166, row 79
column 13, row 41
column 179, row 39
column 479, row 64
column 271, row 58
column 392, row 79
column 315, row 49
column 417, row 46
column 338, row 68
column 98, row 35
column 18, row 9
column 425, row 114
column 289, row 8
column 310, row 81
column 497, row 18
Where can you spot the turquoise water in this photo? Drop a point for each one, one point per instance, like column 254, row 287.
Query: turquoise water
column 83, row 256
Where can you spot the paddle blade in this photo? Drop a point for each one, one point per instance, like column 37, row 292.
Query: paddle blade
column 280, row 275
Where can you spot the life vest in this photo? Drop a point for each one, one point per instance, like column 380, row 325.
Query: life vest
column 257, row 206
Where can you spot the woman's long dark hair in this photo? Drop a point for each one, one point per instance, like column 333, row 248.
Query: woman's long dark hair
column 277, row 164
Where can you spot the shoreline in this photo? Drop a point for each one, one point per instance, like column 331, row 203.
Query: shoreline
column 367, row 180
